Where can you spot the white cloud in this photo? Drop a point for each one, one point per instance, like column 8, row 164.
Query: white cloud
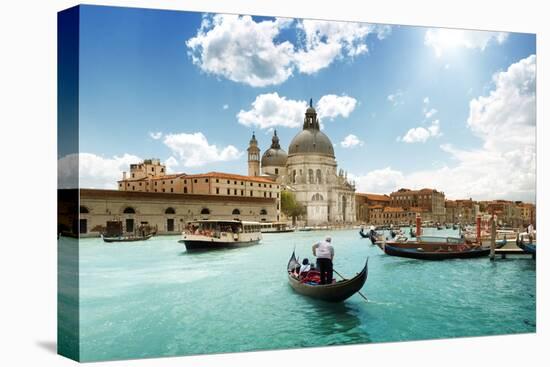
column 171, row 164
column 351, row 141
column 94, row 171
column 421, row 134
column 396, row 98
column 326, row 41
column 242, row 50
column 442, row 39
column 504, row 167
column 381, row 181
column 225, row 106
column 429, row 113
column 193, row 150
column 332, row 106
column 155, row 135
column 245, row 51
column 271, row 110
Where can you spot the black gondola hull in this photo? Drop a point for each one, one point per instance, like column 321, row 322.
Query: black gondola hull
column 335, row 292
column 421, row 255
column 126, row 239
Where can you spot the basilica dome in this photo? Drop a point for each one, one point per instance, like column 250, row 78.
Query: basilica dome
column 311, row 140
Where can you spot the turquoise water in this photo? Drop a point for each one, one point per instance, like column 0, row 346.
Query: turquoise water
column 154, row 299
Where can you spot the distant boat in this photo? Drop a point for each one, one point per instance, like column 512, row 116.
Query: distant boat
column 305, row 229
column 126, row 238
column 335, row 292
column 275, row 227
column 216, row 234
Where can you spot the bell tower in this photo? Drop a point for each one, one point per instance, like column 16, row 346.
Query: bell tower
column 253, row 157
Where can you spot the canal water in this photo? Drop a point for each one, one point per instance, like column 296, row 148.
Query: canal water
column 152, row 298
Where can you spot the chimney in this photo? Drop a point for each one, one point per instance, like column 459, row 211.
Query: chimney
column 124, row 175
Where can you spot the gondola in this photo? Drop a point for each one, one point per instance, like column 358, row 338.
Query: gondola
column 419, row 253
column 335, row 292
column 126, row 239
column 363, row 234
column 530, row 248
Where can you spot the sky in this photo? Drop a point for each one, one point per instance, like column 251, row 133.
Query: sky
column 404, row 106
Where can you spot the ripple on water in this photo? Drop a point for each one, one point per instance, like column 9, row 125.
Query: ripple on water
column 155, row 299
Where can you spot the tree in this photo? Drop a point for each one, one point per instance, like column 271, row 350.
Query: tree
column 290, row 207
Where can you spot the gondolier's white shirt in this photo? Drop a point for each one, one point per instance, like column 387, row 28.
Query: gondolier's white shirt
column 324, row 250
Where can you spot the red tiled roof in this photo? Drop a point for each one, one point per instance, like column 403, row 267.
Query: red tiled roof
column 227, row 176
column 374, row 197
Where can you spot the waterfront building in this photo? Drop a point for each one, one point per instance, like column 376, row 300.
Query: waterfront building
column 461, row 211
column 528, row 213
column 507, row 212
column 310, row 171
column 168, row 213
column 150, row 176
column 366, row 204
column 432, row 202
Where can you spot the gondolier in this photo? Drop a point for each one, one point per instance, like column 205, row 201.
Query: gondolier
column 324, row 252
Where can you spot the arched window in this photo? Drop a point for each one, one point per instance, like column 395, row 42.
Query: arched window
column 294, row 176
column 205, row 211
column 263, row 212
column 317, row 197
column 236, row 212
column 318, row 177
column 129, row 210
column 310, row 176
column 170, row 211
column 84, row 210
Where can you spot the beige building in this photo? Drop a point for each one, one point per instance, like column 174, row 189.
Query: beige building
column 167, row 212
column 367, row 205
column 431, row 201
column 310, row 171
column 150, row 176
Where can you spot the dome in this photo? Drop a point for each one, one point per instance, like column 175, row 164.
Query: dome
column 274, row 156
column 311, row 141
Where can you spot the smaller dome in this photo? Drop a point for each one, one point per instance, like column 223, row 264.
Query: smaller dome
column 274, row 156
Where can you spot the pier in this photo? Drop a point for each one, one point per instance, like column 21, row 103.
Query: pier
column 504, row 252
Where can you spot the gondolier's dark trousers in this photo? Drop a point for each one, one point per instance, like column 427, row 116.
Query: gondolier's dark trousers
column 325, row 269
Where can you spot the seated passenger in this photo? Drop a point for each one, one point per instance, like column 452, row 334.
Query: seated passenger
column 305, row 268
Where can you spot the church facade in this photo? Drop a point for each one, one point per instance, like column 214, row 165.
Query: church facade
column 310, row 170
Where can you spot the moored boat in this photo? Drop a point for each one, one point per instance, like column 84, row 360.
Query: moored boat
column 275, row 227
column 338, row 291
column 218, row 234
column 440, row 253
column 126, row 238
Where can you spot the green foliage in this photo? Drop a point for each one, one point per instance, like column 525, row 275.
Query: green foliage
column 290, row 206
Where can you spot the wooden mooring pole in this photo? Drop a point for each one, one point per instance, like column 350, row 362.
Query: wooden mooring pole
column 493, row 237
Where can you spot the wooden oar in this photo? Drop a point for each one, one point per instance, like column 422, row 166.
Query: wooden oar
column 361, row 294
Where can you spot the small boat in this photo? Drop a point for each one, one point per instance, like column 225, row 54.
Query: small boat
column 335, row 292
column 217, row 234
column 363, row 234
column 305, row 229
column 464, row 252
column 275, row 227
column 529, row 246
column 126, row 238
